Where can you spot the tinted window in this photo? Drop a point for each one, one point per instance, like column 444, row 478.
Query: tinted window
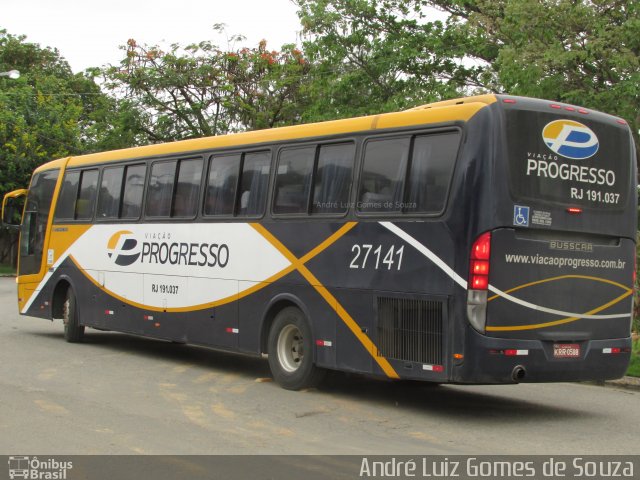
column 87, row 195
column 109, row 195
column 221, row 185
column 383, row 174
column 160, row 189
column 187, row 191
column 133, row 188
column 293, row 182
column 67, row 199
column 254, row 183
column 430, row 172
column 333, row 178
column 566, row 162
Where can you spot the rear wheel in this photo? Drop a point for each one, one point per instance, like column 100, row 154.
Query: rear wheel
column 73, row 331
column 291, row 351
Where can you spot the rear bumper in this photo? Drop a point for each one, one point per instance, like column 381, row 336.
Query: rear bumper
column 485, row 361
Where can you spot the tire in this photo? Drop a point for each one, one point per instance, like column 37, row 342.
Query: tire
column 73, row 331
column 290, row 348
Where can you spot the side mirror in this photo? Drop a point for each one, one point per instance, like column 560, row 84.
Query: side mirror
column 12, row 205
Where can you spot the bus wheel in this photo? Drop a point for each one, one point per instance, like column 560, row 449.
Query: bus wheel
column 291, row 351
column 73, row 331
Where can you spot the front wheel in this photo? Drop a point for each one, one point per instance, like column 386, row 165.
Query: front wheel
column 73, row 331
column 291, row 351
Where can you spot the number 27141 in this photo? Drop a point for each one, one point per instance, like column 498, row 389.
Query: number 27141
column 366, row 256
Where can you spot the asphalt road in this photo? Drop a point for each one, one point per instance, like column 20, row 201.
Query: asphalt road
column 118, row 394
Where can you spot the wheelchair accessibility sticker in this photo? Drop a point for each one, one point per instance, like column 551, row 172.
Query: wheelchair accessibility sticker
column 520, row 216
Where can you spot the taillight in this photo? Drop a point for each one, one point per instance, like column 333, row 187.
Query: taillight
column 479, row 262
column 479, row 282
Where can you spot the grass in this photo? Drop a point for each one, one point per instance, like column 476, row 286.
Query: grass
column 7, row 269
column 634, row 366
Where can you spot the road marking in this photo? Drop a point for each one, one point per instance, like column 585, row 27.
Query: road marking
column 205, row 377
column 51, row 407
column 47, row 374
column 222, row 411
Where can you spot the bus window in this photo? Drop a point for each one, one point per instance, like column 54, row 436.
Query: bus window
column 221, row 185
column 67, row 200
column 332, row 179
column 133, row 189
column 382, row 180
column 579, row 170
column 86, row 195
column 187, row 190
column 109, row 194
column 254, row 184
column 293, row 182
column 161, row 189
column 430, row 172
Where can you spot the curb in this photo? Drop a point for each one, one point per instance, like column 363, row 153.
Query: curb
column 632, row 383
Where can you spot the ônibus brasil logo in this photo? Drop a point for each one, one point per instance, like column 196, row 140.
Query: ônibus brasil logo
column 570, row 139
column 122, row 248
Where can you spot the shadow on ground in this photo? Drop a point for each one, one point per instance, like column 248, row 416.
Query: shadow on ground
column 471, row 403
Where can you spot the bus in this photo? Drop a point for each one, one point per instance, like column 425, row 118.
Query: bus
column 482, row 240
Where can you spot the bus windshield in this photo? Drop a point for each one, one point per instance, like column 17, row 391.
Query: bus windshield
column 34, row 223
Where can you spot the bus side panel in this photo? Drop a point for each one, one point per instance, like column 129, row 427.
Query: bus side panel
column 258, row 310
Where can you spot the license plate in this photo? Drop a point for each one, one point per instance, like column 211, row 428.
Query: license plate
column 566, row 350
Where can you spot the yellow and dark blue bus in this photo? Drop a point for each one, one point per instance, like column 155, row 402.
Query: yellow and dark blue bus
column 488, row 239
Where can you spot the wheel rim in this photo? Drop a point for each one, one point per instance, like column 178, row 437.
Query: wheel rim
column 290, row 348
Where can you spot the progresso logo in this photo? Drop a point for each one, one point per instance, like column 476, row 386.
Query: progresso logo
column 570, row 139
column 122, row 248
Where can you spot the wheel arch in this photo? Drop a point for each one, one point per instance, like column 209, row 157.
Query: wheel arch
column 59, row 295
column 276, row 305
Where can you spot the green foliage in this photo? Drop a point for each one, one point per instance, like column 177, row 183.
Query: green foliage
column 379, row 55
column 48, row 112
column 373, row 56
column 201, row 89
column 7, row 270
column 634, row 366
column 585, row 53
column 635, row 326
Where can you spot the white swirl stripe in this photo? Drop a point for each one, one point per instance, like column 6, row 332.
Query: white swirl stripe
column 426, row 252
column 462, row 282
column 43, row 282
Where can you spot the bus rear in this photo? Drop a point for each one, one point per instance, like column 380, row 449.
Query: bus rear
column 552, row 266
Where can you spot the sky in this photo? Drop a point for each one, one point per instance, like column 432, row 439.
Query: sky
column 88, row 33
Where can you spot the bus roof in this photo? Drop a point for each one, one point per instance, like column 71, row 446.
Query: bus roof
column 438, row 112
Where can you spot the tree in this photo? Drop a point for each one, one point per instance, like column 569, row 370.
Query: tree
column 48, row 112
column 584, row 53
column 382, row 55
column 378, row 55
column 201, row 89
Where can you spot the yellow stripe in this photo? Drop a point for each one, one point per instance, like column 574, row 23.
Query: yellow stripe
column 232, row 298
column 331, row 239
column 449, row 111
column 296, row 264
column 564, row 320
column 561, row 277
column 504, row 328
column 190, row 308
column 328, row 297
